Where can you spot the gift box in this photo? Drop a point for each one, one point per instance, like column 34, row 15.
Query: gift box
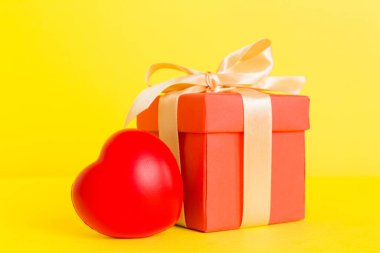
column 211, row 130
column 238, row 137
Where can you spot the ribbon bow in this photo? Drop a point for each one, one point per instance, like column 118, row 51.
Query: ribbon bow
column 245, row 71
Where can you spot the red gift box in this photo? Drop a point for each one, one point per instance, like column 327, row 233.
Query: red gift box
column 211, row 129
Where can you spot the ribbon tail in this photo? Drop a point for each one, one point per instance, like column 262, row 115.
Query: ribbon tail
column 147, row 96
column 257, row 157
column 143, row 101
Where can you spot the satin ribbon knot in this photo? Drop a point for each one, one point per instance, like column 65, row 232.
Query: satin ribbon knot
column 211, row 81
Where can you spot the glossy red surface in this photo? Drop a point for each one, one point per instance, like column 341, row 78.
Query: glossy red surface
column 133, row 190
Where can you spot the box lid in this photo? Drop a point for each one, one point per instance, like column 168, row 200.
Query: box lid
column 223, row 112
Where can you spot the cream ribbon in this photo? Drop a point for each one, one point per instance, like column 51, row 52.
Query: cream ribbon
column 245, row 71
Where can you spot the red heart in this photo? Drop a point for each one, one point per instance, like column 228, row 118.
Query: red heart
column 134, row 189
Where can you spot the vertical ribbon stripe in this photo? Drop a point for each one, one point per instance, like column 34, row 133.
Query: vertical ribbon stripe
column 257, row 158
column 168, row 127
column 168, row 132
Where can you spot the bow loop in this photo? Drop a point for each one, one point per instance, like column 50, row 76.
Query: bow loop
column 256, row 57
column 159, row 66
column 248, row 67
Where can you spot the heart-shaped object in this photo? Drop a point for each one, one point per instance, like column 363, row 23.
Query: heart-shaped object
column 133, row 190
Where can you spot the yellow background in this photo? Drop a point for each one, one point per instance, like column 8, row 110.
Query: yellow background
column 69, row 71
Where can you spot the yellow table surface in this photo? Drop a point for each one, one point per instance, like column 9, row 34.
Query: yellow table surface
column 343, row 215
